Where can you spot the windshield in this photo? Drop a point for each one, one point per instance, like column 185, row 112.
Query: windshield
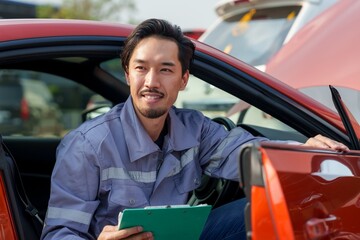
column 253, row 36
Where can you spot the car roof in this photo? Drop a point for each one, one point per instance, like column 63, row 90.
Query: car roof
column 59, row 27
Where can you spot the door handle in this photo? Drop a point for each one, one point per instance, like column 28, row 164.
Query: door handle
column 317, row 228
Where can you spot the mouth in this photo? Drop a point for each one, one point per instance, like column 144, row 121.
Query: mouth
column 151, row 95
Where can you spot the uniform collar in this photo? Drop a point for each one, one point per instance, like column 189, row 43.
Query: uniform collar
column 139, row 143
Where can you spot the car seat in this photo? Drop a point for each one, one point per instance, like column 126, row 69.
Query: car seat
column 27, row 223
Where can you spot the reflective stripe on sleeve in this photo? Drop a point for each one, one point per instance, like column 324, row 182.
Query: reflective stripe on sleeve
column 186, row 159
column 69, row 214
column 218, row 153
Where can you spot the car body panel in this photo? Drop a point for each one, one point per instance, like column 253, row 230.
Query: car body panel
column 304, row 188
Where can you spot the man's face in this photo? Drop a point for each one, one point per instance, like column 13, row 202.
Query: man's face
column 155, row 76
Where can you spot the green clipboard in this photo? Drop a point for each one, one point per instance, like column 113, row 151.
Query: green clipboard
column 168, row 222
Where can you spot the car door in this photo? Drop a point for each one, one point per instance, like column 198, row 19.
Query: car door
column 300, row 192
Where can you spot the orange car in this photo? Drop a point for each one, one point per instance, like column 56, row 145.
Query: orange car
column 294, row 192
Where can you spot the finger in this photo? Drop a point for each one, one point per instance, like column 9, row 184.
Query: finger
column 141, row 236
column 338, row 146
column 134, row 232
column 315, row 142
column 332, row 143
column 109, row 228
column 108, row 232
column 123, row 233
column 325, row 142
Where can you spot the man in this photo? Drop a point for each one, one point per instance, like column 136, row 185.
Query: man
column 145, row 151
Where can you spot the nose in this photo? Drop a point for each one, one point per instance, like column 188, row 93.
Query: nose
column 152, row 79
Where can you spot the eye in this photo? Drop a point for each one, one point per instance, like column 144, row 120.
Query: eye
column 166, row 70
column 139, row 67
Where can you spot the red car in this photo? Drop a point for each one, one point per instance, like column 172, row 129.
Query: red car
column 328, row 53
column 294, row 192
column 194, row 33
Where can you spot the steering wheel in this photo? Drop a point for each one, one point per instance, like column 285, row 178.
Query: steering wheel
column 217, row 191
column 251, row 130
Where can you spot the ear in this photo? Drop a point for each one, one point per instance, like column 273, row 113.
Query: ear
column 127, row 78
column 185, row 79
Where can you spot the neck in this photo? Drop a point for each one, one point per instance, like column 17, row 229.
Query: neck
column 153, row 126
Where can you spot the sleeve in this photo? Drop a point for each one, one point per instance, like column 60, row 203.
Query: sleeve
column 74, row 187
column 219, row 149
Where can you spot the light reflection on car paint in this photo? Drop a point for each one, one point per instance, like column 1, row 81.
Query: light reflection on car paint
column 331, row 169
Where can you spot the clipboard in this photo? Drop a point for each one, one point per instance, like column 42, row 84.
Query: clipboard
column 175, row 222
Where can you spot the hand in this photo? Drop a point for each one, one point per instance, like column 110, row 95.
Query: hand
column 324, row 142
column 113, row 233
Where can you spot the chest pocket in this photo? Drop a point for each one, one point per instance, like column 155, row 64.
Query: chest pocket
column 128, row 196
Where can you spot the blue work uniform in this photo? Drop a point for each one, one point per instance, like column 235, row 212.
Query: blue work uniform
column 110, row 163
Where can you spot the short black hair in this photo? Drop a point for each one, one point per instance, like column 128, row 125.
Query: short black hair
column 163, row 29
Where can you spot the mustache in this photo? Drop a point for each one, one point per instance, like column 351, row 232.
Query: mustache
column 151, row 90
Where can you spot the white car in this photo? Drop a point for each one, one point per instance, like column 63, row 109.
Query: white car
column 254, row 30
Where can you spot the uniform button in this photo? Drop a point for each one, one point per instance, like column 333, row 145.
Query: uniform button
column 196, row 181
column 132, row 201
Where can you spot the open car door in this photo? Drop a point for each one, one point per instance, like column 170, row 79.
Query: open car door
column 300, row 192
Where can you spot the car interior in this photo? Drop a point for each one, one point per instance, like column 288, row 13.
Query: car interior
column 25, row 214
column 75, row 75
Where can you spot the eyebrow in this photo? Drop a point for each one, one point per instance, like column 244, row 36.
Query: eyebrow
column 170, row 64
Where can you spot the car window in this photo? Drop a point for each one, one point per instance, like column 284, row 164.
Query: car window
column 322, row 94
column 253, row 36
column 40, row 104
column 214, row 102
column 114, row 68
column 199, row 95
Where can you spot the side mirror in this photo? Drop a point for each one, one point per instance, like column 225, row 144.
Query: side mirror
column 94, row 112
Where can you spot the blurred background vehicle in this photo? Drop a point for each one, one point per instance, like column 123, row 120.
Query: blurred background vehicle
column 27, row 106
column 254, row 30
